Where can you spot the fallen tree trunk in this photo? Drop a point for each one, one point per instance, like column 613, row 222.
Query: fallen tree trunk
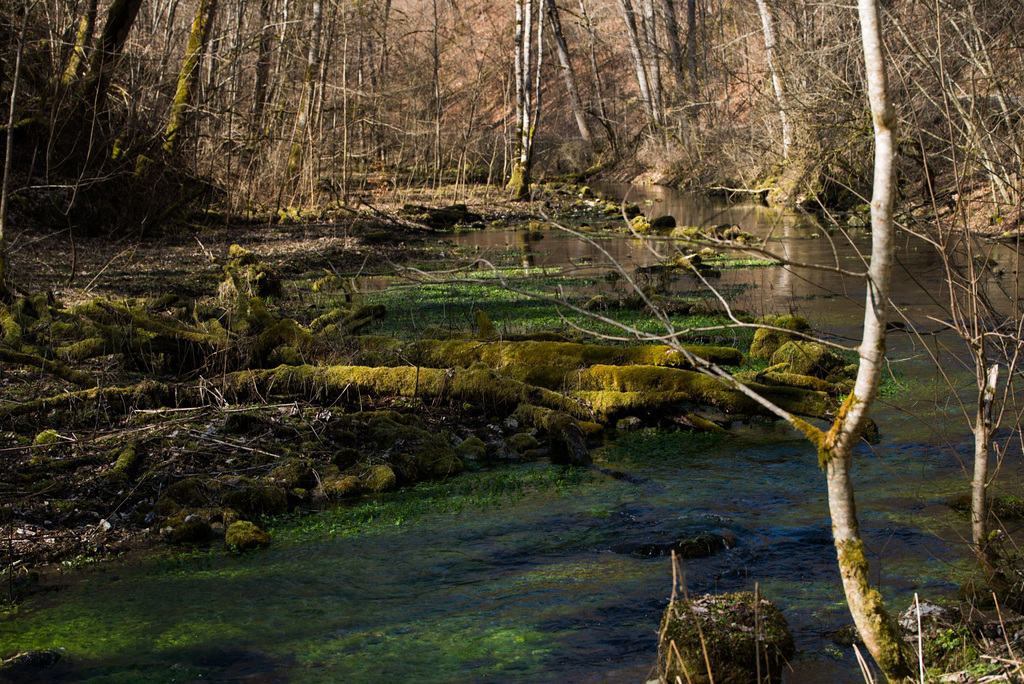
column 465, row 353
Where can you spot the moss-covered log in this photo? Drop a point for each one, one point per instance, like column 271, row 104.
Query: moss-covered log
column 465, row 353
column 619, row 390
column 55, row 368
column 350, row 383
column 116, row 399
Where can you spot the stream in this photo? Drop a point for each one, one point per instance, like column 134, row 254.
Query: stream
column 524, row 586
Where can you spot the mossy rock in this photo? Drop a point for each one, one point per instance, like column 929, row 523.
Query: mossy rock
column 192, row 492
column 194, row 529
column 727, row 629
column 341, row 486
column 253, row 500
column 47, row 438
column 346, row 457
column 767, row 342
column 661, row 223
column 245, row 536
column 472, row 449
column 293, row 473
column 415, row 453
column 379, row 478
column 809, row 358
column 523, row 442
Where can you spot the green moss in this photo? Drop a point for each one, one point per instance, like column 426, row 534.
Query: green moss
column 523, row 442
column 808, row 358
column 767, row 342
column 379, row 478
column 472, row 448
column 128, row 461
column 254, row 500
column 47, row 438
column 245, row 536
column 727, row 626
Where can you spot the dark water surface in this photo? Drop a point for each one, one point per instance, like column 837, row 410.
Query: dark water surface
column 526, row 587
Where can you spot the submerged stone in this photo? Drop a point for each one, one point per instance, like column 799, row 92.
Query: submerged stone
column 736, row 630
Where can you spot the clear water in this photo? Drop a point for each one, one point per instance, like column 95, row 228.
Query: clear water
column 524, row 586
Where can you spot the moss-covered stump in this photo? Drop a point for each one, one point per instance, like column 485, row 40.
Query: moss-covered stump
column 737, row 632
column 243, row 535
column 767, row 341
column 810, row 358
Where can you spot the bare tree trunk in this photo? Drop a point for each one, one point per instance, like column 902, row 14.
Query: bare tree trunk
column 770, row 41
column 675, row 48
column 691, row 45
column 528, row 75
column 262, row 65
column 979, row 486
column 5, row 185
column 83, row 41
column 653, row 58
column 569, row 74
column 873, row 622
column 120, row 18
column 642, row 77
column 185, row 93
column 305, row 108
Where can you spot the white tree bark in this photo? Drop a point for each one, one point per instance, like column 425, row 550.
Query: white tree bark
column 770, row 42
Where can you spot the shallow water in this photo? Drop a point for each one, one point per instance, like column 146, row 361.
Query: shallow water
column 524, row 586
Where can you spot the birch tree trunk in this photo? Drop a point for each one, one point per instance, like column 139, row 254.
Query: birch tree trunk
column 770, row 41
column 835, row 452
column 185, row 92
column 568, row 74
column 988, row 378
column 527, row 77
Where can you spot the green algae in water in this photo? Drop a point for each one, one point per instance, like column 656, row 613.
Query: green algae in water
column 329, row 607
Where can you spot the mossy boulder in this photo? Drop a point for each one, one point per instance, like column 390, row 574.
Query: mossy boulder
column 809, row 358
column 379, row 478
column 472, row 449
column 663, row 223
column 734, row 639
column 767, row 342
column 293, row 473
column 194, row 529
column 523, row 442
column 253, row 500
column 245, row 536
column 340, row 486
column 413, row 453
